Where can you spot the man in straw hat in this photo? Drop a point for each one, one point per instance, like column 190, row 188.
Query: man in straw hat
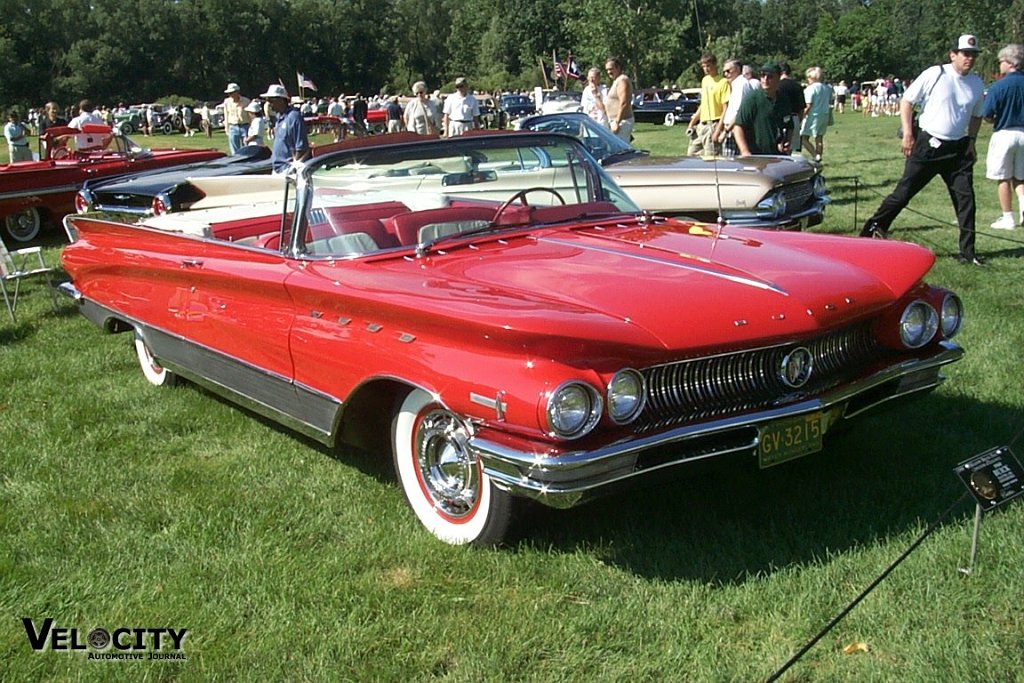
column 291, row 142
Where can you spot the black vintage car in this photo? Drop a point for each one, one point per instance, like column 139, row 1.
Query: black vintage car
column 661, row 105
column 164, row 191
column 517, row 106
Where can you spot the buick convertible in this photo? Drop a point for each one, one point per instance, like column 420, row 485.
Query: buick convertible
column 780, row 192
column 494, row 315
column 33, row 193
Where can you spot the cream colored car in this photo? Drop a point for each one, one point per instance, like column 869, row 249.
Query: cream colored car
column 780, row 192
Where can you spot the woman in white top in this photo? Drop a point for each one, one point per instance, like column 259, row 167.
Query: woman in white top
column 421, row 114
column 258, row 125
column 593, row 97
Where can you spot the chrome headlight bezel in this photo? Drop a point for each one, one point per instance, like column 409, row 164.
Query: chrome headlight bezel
column 772, row 206
column 918, row 325
column 579, row 398
column 626, row 396
column 818, row 188
column 951, row 315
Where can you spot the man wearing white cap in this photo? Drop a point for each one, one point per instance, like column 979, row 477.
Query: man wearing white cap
column 291, row 141
column 951, row 98
column 236, row 118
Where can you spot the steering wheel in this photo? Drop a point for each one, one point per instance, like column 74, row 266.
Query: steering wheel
column 60, row 153
column 521, row 196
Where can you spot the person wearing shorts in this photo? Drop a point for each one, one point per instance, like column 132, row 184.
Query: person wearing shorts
column 1004, row 108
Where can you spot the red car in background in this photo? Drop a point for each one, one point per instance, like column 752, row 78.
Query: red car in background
column 33, row 193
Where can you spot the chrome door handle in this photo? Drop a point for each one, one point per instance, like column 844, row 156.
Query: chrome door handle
column 191, row 263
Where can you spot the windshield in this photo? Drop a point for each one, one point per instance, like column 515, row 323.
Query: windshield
column 373, row 199
column 600, row 141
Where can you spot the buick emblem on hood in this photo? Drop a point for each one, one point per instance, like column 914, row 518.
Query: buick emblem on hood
column 796, row 368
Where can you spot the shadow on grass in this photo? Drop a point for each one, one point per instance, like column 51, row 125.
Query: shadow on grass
column 887, row 475
column 725, row 521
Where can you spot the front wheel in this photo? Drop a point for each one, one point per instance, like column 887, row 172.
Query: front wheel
column 155, row 374
column 443, row 481
column 126, row 127
column 167, row 128
column 24, row 226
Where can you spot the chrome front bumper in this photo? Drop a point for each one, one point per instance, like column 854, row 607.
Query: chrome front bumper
column 571, row 477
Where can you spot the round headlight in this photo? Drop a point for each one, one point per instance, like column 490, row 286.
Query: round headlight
column 84, row 201
column 819, row 186
column 772, row 206
column 952, row 315
column 625, row 396
column 573, row 410
column 918, row 324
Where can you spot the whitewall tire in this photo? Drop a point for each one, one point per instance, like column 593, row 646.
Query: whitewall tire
column 154, row 373
column 443, row 482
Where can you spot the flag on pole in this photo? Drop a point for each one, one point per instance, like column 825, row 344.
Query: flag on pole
column 558, row 70
column 304, row 82
column 572, row 69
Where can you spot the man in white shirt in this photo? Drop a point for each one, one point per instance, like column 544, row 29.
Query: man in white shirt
column 87, row 115
column 738, row 86
column 461, row 110
column 952, row 99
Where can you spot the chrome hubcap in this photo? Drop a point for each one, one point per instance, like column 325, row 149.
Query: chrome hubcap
column 447, row 468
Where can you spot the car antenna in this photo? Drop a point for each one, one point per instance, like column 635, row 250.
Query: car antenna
column 720, row 224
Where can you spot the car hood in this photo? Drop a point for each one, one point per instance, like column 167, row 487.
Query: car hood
column 658, row 288
column 778, row 168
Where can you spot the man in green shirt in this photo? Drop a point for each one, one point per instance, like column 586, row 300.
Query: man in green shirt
column 760, row 123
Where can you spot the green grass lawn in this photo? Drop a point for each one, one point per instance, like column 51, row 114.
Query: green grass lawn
column 124, row 505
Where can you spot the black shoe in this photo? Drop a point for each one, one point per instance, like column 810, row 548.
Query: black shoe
column 872, row 229
column 970, row 260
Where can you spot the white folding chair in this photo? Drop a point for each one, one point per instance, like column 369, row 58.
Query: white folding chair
column 17, row 265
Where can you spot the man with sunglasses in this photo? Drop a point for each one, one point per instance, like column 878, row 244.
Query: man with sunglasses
column 761, row 120
column 951, row 98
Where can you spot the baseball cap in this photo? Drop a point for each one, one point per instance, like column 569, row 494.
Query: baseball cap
column 967, row 43
column 232, row 87
column 461, row 80
column 771, row 68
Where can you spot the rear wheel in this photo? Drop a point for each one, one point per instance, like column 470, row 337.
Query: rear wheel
column 167, row 128
column 442, row 479
column 670, row 119
column 154, row 373
column 24, row 226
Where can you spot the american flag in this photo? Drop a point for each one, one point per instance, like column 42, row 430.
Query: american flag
column 304, row 82
column 558, row 70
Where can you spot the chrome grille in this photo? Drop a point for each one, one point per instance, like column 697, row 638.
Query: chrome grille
column 731, row 383
column 798, row 195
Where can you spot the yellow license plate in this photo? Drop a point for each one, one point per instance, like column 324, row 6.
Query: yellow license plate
column 789, row 439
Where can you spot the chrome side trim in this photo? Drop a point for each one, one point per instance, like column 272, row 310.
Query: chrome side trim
column 571, row 477
column 38, row 192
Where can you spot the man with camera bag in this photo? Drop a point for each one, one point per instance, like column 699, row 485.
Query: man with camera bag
column 951, row 98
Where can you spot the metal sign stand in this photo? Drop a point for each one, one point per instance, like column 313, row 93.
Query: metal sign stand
column 978, row 512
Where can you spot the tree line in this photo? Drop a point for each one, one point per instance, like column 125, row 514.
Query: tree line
column 143, row 50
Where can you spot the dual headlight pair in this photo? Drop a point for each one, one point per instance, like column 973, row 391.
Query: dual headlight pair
column 575, row 408
column 920, row 321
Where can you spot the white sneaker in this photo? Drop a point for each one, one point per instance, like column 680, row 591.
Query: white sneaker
column 1004, row 223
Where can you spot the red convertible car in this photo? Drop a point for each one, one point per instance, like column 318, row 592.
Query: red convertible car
column 494, row 315
column 33, row 192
